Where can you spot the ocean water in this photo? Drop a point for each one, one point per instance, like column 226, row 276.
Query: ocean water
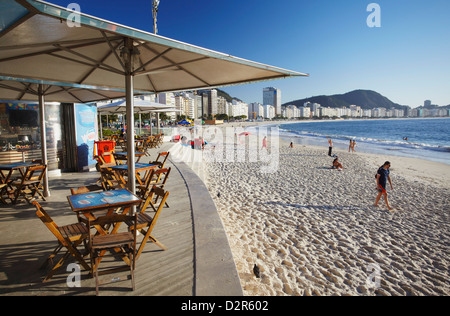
column 427, row 139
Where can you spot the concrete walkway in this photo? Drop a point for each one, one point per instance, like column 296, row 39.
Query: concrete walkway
column 198, row 260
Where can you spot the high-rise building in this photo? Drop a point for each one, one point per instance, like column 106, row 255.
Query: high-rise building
column 209, row 102
column 272, row 96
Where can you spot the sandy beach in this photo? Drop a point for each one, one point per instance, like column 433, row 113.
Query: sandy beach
column 313, row 230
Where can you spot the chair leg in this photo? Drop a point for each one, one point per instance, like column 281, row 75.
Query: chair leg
column 132, row 271
column 96, row 276
column 53, row 255
column 56, row 267
column 147, row 237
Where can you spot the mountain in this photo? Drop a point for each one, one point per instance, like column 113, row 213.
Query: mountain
column 227, row 97
column 366, row 99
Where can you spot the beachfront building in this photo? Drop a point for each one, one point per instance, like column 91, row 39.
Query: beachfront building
column 327, row 112
column 222, row 105
column 305, row 111
column 290, row 112
column 379, row 112
column 269, row 111
column 255, row 110
column 314, row 107
column 355, row 111
column 367, row 112
column 168, row 99
column 238, row 108
column 272, row 96
column 209, row 102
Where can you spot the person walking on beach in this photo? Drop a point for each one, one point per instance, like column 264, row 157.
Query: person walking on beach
column 330, row 148
column 353, row 145
column 382, row 178
column 264, row 143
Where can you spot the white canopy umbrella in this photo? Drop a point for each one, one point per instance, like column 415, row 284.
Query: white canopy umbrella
column 140, row 106
column 38, row 44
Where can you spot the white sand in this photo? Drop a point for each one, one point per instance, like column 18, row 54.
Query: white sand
column 315, row 231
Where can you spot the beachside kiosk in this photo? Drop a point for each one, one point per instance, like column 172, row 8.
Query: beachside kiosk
column 71, row 130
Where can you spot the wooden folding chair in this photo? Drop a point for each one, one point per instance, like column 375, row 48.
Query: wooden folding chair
column 86, row 189
column 29, row 184
column 159, row 179
column 110, row 180
column 3, row 187
column 146, row 223
column 161, row 159
column 160, row 139
column 156, row 177
column 68, row 236
column 99, row 243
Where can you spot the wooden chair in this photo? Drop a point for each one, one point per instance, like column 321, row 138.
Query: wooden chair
column 156, row 177
column 68, row 236
column 99, row 243
column 110, row 181
column 146, row 223
column 29, row 184
column 159, row 177
column 161, row 159
column 86, row 189
column 3, row 187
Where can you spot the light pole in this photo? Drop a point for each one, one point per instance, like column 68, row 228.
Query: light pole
column 155, row 13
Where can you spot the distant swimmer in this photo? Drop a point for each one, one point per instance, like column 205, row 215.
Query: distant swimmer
column 405, row 138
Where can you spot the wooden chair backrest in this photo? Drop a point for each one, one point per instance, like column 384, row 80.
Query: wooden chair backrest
column 155, row 177
column 86, row 189
column 152, row 197
column 29, row 174
column 165, row 155
column 112, row 220
column 48, row 221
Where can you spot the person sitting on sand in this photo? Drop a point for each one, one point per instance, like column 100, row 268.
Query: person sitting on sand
column 382, row 178
column 291, row 145
column 337, row 165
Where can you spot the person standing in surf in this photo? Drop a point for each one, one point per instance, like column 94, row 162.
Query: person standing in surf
column 382, row 178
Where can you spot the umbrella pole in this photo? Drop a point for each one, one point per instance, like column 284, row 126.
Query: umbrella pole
column 101, row 127
column 140, row 124
column 130, row 116
column 43, row 137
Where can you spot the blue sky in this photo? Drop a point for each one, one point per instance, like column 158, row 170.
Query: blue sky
column 407, row 59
